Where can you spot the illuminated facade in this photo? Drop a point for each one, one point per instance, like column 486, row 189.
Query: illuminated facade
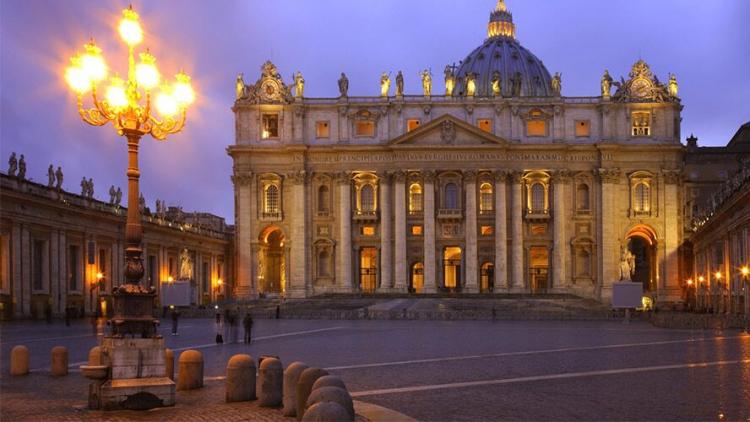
column 497, row 184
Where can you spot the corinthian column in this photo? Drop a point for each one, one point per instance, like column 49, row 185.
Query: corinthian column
column 471, row 232
column 560, row 180
column 501, row 232
column 609, row 248
column 243, row 235
column 386, row 251
column 344, row 264
column 400, row 232
column 430, row 285
column 516, row 233
column 299, row 269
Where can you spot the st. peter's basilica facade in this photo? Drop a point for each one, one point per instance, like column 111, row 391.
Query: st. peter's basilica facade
column 490, row 181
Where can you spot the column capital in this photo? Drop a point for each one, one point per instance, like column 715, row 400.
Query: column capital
column 611, row 175
column 516, row 176
column 501, row 176
column 561, row 176
column 242, row 178
column 342, row 177
column 298, row 177
column 429, row 176
column 399, row 176
column 470, row 176
column 672, row 176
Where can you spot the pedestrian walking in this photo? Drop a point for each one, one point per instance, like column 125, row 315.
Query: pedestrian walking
column 494, row 313
column 278, row 311
column 175, row 319
column 219, row 327
column 248, row 324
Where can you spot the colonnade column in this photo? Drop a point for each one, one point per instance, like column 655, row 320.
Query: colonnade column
column 471, row 232
column 560, row 180
column 609, row 249
column 671, row 277
column 386, row 249
column 243, row 234
column 516, row 214
column 344, row 246
column 430, row 283
column 399, row 179
column 501, row 232
column 298, row 268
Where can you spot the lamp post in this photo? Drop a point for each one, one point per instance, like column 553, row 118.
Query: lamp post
column 702, row 293
column 745, row 272
column 128, row 106
column 690, row 297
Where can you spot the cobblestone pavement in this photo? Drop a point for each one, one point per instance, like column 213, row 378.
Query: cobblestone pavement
column 450, row 370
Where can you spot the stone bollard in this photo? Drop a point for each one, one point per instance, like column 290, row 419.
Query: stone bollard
column 190, row 371
column 332, row 394
column 291, row 377
column 169, row 363
column 59, row 361
column 326, row 411
column 240, row 383
column 306, row 380
column 95, row 356
column 19, row 360
column 271, row 382
column 329, row 381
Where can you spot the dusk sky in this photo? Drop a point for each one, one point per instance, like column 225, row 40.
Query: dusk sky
column 705, row 43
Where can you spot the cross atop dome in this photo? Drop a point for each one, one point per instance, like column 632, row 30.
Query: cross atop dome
column 501, row 22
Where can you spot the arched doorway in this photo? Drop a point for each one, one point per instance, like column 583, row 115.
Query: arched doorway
column 539, row 269
column 641, row 242
column 272, row 265
column 487, row 277
column 416, row 280
column 452, row 268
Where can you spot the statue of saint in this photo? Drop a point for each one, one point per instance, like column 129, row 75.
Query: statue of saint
column 118, row 197
column 299, row 84
column 343, row 85
column 497, row 84
column 606, row 84
column 84, row 187
column 186, row 265
column 426, row 83
column 385, row 84
column 91, row 187
column 450, row 80
column 22, row 168
column 50, row 176
column 627, row 265
column 12, row 164
column 112, row 195
column 399, row 84
column 59, row 176
column 239, row 87
column 557, row 84
column 672, row 87
column 141, row 203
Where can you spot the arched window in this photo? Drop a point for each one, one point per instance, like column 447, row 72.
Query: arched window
column 485, row 198
column 641, row 197
column 367, row 198
column 537, row 198
column 272, row 199
column 415, row 198
column 323, row 201
column 451, row 196
column 582, row 197
column 323, row 267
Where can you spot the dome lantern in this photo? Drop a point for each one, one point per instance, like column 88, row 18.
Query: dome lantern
column 501, row 22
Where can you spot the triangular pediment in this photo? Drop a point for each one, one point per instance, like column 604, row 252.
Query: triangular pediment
column 449, row 131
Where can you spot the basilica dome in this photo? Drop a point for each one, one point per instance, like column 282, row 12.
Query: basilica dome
column 516, row 71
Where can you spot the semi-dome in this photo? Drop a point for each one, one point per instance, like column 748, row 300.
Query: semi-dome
column 502, row 57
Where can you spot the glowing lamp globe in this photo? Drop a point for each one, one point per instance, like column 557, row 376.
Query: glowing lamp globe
column 116, row 95
column 93, row 64
column 183, row 93
column 146, row 73
column 76, row 77
column 166, row 105
column 130, row 28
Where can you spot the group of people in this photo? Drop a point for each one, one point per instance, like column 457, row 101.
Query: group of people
column 226, row 325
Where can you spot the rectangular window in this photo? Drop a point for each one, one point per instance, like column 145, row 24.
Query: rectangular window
column 103, row 264
column 536, row 128
column 583, row 128
column 368, row 231
column 365, row 129
column 170, row 267
column 270, row 127
column 538, row 229
column 322, row 130
column 74, row 267
column 641, row 121
column 37, row 269
column 485, row 125
column 412, row 124
column 486, row 230
column 416, row 230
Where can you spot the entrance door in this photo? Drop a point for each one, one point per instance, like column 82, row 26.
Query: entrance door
column 487, row 277
column 538, row 269
column 273, row 264
column 368, row 270
column 452, row 268
column 417, row 278
column 645, row 254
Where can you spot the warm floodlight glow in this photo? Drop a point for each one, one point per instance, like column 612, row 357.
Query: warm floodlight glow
column 129, row 28
column 166, row 104
column 745, row 271
column 170, row 279
column 99, row 276
column 690, row 282
column 701, row 279
column 116, row 96
column 183, row 93
column 93, row 64
column 219, row 282
column 76, row 77
column 718, row 275
column 146, row 73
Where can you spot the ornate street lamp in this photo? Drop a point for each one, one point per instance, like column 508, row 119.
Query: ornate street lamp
column 127, row 104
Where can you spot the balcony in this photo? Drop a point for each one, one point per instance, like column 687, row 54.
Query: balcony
column 365, row 215
column 537, row 215
column 449, row 214
column 271, row 216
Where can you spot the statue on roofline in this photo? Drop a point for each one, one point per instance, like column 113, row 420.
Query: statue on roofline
column 426, row 83
column 343, row 85
column 606, row 84
column 385, row 84
column 12, row 164
column 399, row 84
column 299, row 85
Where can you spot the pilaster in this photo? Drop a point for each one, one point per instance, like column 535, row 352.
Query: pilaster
column 609, row 248
column 501, row 232
column 516, row 213
column 344, row 246
column 430, row 282
column 243, row 235
column 386, row 247
column 561, row 179
column 399, row 179
column 299, row 270
column 470, row 233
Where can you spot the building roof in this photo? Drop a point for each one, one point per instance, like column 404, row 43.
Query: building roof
column 741, row 139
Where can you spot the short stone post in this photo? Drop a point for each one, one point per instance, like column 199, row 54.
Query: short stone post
column 169, row 363
column 271, row 382
column 332, row 394
column 190, row 375
column 240, row 383
column 326, row 411
column 329, row 381
column 59, row 361
column 19, row 360
column 291, row 377
column 306, row 380
column 95, row 356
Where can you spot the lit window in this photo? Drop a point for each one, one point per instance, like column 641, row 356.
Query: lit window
column 485, row 125
column 582, row 128
column 536, row 128
column 641, row 121
column 582, row 197
column 486, row 230
column 368, row 231
column 485, row 198
column 537, row 198
column 270, row 126
column 415, row 198
column 412, row 124
column 538, row 229
column 416, row 230
column 367, row 198
column 365, row 129
column 641, row 197
column 322, row 130
column 451, row 196
column 272, row 199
